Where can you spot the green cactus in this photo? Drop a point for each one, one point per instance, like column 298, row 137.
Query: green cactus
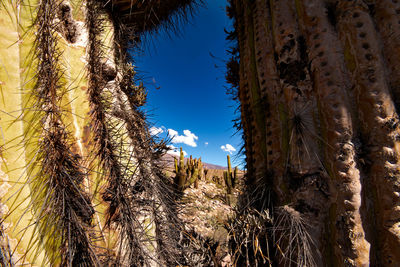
column 71, row 130
column 176, row 168
column 228, row 159
column 187, row 173
column 194, row 173
column 196, row 168
column 180, row 171
column 201, row 173
column 229, row 177
column 228, row 182
column 201, row 170
column 234, row 177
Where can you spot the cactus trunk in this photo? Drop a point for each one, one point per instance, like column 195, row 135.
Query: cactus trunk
column 77, row 159
column 330, row 123
column 228, row 176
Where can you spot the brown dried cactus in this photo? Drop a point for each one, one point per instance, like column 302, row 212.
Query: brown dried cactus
column 322, row 77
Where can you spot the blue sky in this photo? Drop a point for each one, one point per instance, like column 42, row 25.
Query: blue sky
column 186, row 85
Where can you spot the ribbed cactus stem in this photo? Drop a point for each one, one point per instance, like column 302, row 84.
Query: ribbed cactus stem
column 326, row 73
column 176, row 165
column 228, row 159
column 228, row 176
column 181, row 159
column 181, row 176
column 201, row 170
column 195, row 174
column 234, row 177
column 228, row 182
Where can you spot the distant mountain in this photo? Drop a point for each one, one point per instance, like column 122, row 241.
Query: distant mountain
column 169, row 161
column 214, row 167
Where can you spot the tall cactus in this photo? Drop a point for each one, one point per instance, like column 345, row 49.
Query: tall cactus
column 80, row 184
column 180, row 171
column 187, row 172
column 229, row 176
column 235, row 177
column 196, row 169
column 320, row 121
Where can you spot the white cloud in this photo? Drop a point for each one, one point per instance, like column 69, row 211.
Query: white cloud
column 175, row 151
column 172, row 132
column 228, row 148
column 188, row 138
column 156, row 131
column 172, row 147
column 206, row 143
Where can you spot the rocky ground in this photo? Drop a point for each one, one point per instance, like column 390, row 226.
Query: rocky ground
column 205, row 210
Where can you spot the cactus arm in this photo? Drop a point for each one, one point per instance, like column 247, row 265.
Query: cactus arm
column 181, row 173
column 271, row 94
column 387, row 16
column 335, row 115
column 228, row 159
column 235, row 177
column 256, row 103
column 176, row 168
column 228, row 175
column 304, row 159
column 246, row 112
column 194, row 176
column 201, row 170
column 295, row 78
column 113, row 147
column 181, row 159
column 227, row 183
column 77, row 116
column 379, row 125
column 15, row 197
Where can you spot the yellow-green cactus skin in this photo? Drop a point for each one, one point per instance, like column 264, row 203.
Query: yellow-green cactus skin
column 77, row 160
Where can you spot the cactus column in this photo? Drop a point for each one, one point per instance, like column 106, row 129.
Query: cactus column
column 80, row 184
column 229, row 176
column 329, row 127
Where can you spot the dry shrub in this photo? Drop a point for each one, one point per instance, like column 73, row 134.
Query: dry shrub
column 249, row 238
column 291, row 238
column 198, row 251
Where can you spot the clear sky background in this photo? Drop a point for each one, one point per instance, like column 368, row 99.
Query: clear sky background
column 187, row 89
